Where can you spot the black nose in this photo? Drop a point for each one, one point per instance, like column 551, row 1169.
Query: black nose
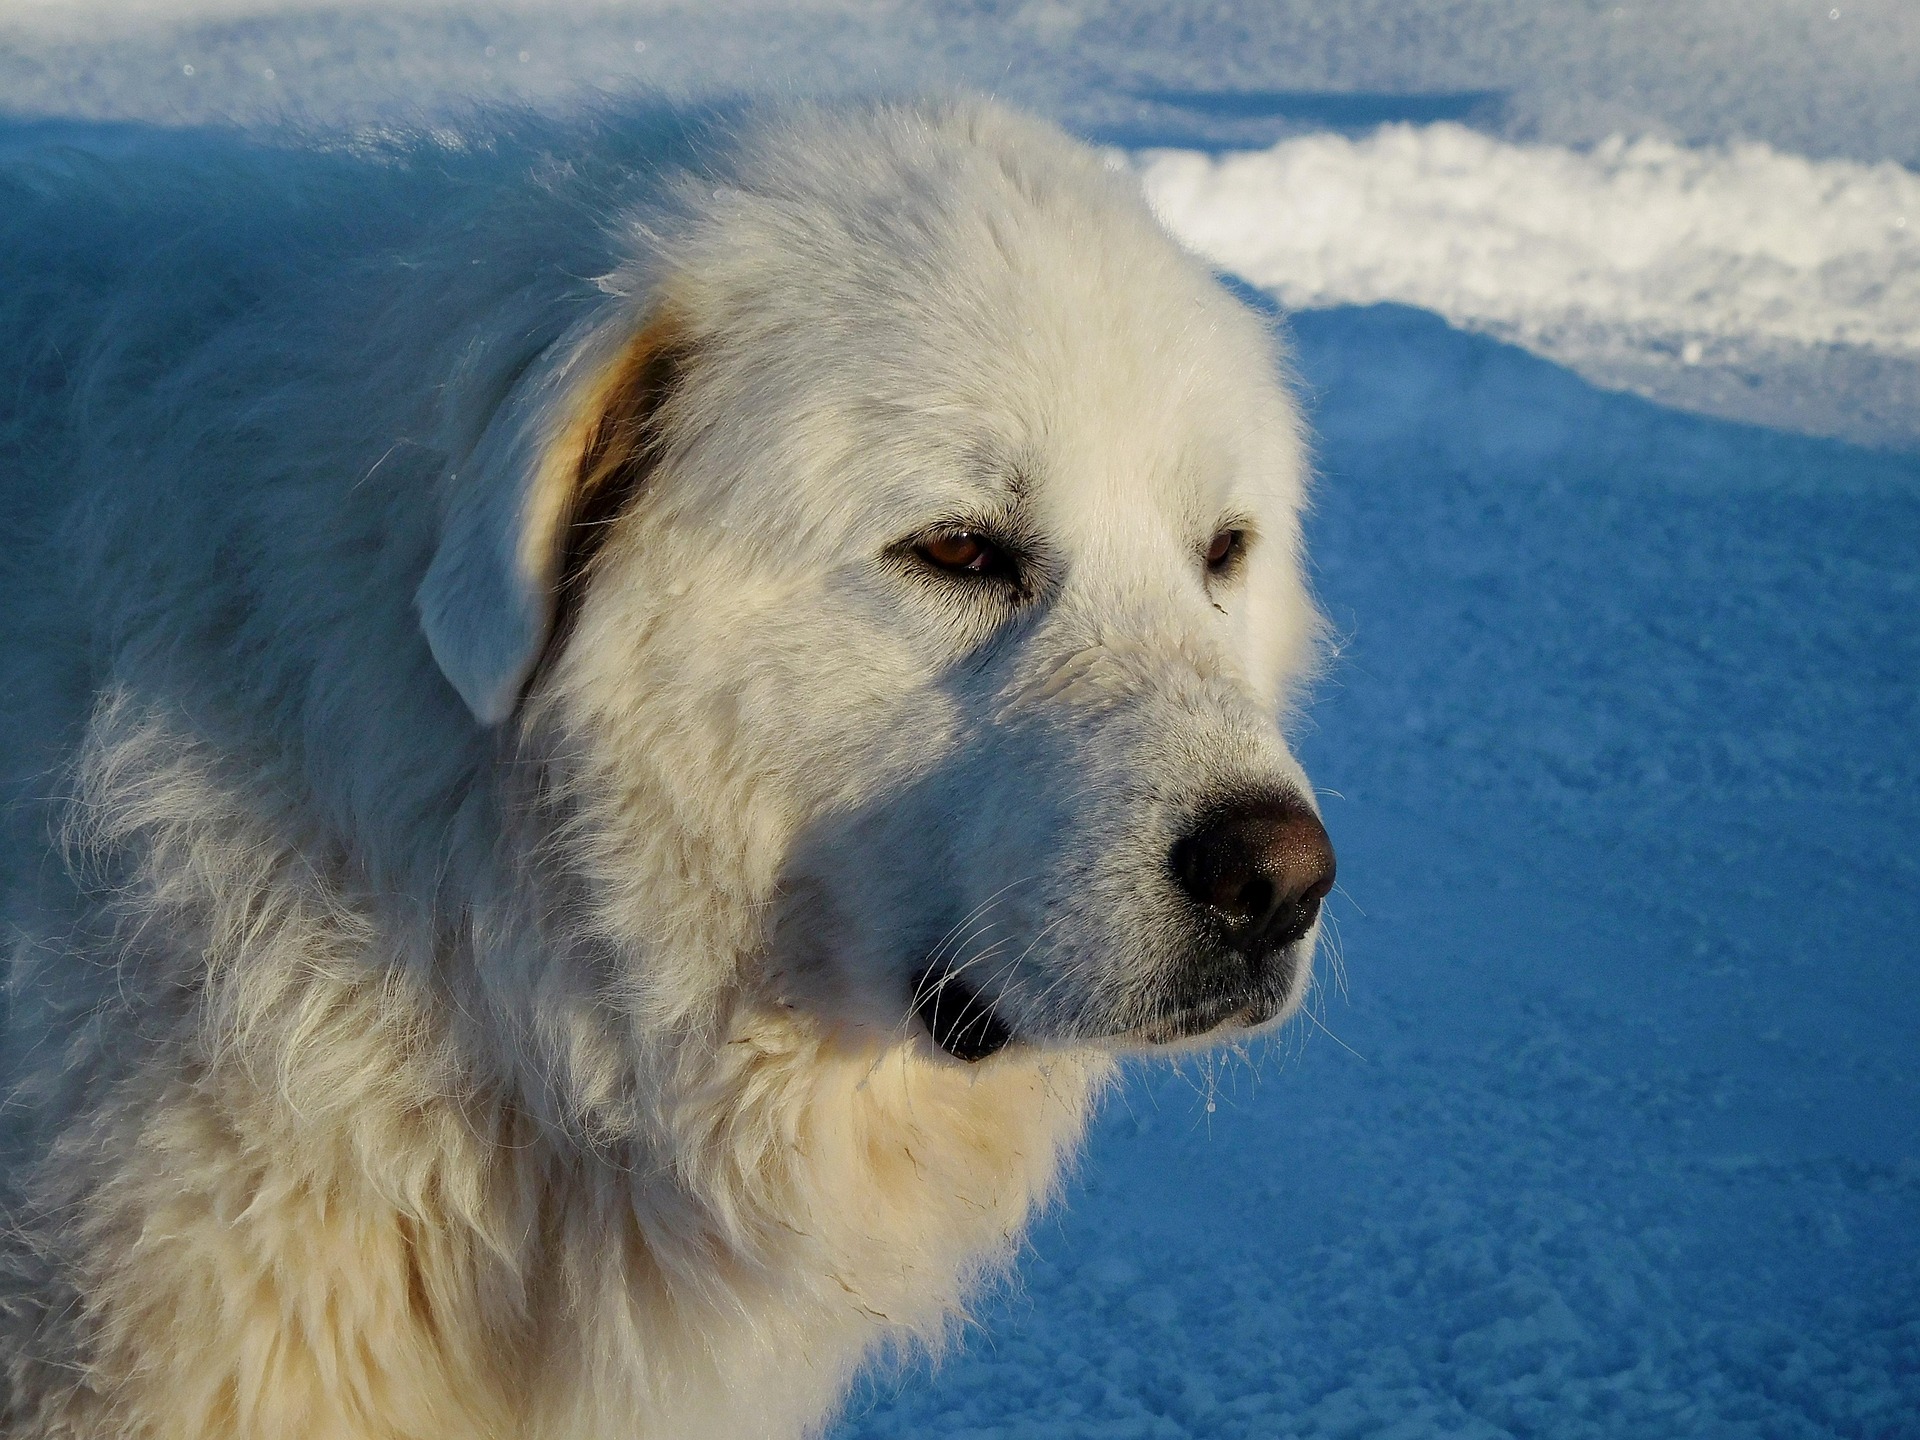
column 1261, row 867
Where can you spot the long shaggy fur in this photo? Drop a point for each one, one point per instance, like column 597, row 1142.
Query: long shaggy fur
column 474, row 804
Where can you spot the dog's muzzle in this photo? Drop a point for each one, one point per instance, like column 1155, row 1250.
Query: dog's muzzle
column 1258, row 871
column 1253, row 873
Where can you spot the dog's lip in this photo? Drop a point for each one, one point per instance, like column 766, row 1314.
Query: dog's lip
column 1196, row 1022
column 961, row 1021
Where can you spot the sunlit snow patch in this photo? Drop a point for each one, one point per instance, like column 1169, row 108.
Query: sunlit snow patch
column 1740, row 281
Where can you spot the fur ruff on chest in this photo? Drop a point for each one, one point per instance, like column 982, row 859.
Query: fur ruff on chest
column 307, row 1209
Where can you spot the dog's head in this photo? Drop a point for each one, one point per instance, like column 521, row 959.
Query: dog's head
column 910, row 580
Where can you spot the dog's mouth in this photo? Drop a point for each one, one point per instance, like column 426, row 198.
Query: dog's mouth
column 1195, row 1022
column 964, row 1023
column 961, row 1021
column 1211, row 1017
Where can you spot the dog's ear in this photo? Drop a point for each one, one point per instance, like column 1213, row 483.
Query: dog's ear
column 563, row 454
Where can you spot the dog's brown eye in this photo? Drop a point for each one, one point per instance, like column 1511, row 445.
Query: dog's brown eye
column 965, row 552
column 1224, row 549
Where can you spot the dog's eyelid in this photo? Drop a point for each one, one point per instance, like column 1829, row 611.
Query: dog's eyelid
column 1221, row 555
column 970, row 550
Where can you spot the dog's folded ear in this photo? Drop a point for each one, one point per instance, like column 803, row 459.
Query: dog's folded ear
column 565, row 451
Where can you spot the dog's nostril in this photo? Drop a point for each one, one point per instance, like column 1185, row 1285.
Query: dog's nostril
column 1262, row 866
column 1256, row 897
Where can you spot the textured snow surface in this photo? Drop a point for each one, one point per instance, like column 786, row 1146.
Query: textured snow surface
column 1620, row 1133
column 1812, row 76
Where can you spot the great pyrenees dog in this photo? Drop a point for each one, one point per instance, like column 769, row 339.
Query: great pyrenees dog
column 607, row 732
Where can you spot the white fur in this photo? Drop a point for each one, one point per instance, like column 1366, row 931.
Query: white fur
column 425, row 1021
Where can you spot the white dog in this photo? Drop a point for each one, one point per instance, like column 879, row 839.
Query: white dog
column 599, row 764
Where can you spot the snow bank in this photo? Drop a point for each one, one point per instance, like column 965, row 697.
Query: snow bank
column 1645, row 254
column 1527, row 241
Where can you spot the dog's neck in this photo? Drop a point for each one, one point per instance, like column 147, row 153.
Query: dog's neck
column 436, row 1228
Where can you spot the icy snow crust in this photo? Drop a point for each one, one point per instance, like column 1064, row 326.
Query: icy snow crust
column 1620, row 1133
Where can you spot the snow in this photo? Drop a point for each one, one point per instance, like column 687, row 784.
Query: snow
column 1557, row 71
column 1607, row 1122
column 1627, row 261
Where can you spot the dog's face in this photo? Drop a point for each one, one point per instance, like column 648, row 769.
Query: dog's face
column 955, row 615
column 1072, row 619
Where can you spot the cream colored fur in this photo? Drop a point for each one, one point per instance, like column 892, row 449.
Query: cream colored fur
column 452, row 998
